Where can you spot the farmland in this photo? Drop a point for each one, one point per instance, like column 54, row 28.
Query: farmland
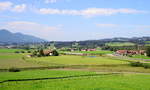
column 120, row 44
column 10, row 50
column 94, row 52
column 140, row 57
column 11, row 59
column 77, row 60
column 71, row 72
column 104, row 82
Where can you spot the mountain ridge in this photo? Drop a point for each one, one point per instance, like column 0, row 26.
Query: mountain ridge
column 8, row 37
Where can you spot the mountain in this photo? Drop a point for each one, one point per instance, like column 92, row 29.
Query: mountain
column 9, row 37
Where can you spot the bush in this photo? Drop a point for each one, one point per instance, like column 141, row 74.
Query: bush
column 148, row 51
column 34, row 53
column 22, row 51
column 17, row 52
column 14, row 70
column 55, row 53
column 28, row 51
column 146, row 65
column 136, row 64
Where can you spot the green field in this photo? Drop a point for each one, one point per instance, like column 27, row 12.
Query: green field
column 147, row 44
column 140, row 57
column 31, row 74
column 9, row 60
column 127, row 77
column 120, row 44
column 100, row 82
column 10, row 50
column 94, row 52
column 147, row 41
column 76, row 60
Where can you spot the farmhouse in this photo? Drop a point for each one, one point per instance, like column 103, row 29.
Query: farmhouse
column 130, row 52
column 48, row 52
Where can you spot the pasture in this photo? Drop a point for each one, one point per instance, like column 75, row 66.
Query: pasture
column 79, row 72
column 94, row 52
column 76, row 60
column 10, row 50
column 120, row 44
column 99, row 82
column 140, row 57
column 9, row 60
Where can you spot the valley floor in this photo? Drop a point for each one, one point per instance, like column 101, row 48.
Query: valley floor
column 70, row 73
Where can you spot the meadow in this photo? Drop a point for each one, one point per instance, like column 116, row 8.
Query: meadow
column 3, row 50
column 76, row 60
column 94, row 52
column 140, row 57
column 120, row 44
column 9, row 60
column 100, row 82
column 87, row 73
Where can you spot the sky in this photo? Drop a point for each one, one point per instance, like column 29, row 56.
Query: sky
column 74, row 20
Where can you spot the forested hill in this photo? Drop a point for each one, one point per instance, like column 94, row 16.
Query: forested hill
column 9, row 37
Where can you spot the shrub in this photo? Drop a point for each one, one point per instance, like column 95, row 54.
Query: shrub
column 14, row 69
column 41, row 52
column 146, row 65
column 22, row 51
column 34, row 53
column 148, row 51
column 136, row 64
column 17, row 52
column 55, row 53
column 29, row 52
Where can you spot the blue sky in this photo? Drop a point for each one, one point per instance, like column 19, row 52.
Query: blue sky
column 67, row 20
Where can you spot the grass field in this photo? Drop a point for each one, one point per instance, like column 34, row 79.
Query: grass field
column 31, row 74
column 9, row 60
column 10, row 50
column 120, row 44
column 86, row 65
column 94, row 52
column 101, row 82
column 140, row 56
column 76, row 60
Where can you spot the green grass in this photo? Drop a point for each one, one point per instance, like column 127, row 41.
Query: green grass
column 103, row 82
column 147, row 41
column 31, row 74
column 10, row 50
column 76, row 60
column 147, row 44
column 140, row 57
column 9, row 60
column 94, row 52
column 120, row 44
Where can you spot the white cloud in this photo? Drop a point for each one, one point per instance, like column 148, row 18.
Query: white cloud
column 9, row 6
column 19, row 8
column 107, row 25
column 24, row 25
column 5, row 5
column 50, row 1
column 90, row 12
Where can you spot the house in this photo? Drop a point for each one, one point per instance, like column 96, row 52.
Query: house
column 130, row 52
column 121, row 52
column 48, row 52
column 91, row 50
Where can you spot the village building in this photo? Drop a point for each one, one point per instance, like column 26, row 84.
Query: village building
column 130, row 52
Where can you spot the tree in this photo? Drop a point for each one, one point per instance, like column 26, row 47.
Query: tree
column 34, row 53
column 148, row 51
column 41, row 52
column 55, row 53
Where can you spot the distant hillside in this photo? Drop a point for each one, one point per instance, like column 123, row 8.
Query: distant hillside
column 9, row 37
